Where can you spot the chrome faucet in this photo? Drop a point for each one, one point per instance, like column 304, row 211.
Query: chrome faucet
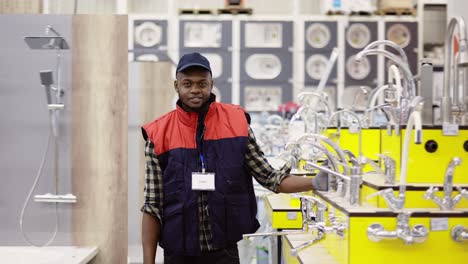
column 391, row 44
column 292, row 154
column 359, row 127
column 447, row 203
column 311, row 217
column 352, row 174
column 398, row 62
column 315, row 221
column 390, row 168
column 307, row 98
column 446, row 102
column 314, row 138
column 418, row 234
column 409, row 90
column 304, row 113
column 414, row 120
column 351, row 189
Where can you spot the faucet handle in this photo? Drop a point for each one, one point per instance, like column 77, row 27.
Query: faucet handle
column 419, row 233
column 429, row 195
column 462, row 191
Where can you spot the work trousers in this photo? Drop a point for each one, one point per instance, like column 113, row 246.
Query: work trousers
column 229, row 255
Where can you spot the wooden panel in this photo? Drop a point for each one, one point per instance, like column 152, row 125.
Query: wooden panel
column 99, row 141
column 20, row 6
column 156, row 97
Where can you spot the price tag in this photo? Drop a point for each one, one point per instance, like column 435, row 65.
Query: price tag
column 292, row 215
column 450, row 130
column 439, row 224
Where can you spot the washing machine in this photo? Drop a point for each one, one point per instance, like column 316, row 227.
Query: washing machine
column 148, row 39
column 213, row 39
column 405, row 34
column 360, row 77
column 320, row 38
column 265, row 64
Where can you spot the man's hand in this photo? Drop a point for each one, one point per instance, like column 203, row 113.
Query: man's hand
column 320, row 181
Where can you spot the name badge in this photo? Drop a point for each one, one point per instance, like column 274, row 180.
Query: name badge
column 203, row 181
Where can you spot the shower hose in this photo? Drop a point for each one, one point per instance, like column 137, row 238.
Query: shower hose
column 26, row 202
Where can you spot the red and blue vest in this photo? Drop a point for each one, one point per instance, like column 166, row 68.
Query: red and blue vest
column 223, row 142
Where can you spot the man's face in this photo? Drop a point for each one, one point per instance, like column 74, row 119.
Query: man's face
column 194, row 88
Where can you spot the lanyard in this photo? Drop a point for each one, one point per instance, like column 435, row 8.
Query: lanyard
column 202, row 159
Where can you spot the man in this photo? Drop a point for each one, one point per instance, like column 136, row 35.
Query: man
column 200, row 159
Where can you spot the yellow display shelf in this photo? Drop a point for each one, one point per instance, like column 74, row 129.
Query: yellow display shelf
column 428, row 161
column 349, row 141
column 354, row 247
column 284, row 212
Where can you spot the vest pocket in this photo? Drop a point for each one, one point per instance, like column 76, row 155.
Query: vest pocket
column 239, row 217
column 172, row 233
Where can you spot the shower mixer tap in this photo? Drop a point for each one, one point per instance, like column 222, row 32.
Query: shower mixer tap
column 418, row 234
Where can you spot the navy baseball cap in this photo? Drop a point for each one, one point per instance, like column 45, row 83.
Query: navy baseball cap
column 191, row 60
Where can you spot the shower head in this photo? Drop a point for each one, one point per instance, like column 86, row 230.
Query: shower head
column 47, row 80
column 47, row 43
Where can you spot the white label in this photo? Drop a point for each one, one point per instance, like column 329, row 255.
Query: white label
column 353, row 128
column 450, row 130
column 203, row 181
column 292, row 215
column 439, row 224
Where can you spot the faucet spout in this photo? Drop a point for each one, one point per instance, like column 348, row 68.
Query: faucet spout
column 359, row 128
column 448, row 178
column 391, row 44
column 313, row 138
column 399, row 62
column 306, row 98
column 446, row 102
